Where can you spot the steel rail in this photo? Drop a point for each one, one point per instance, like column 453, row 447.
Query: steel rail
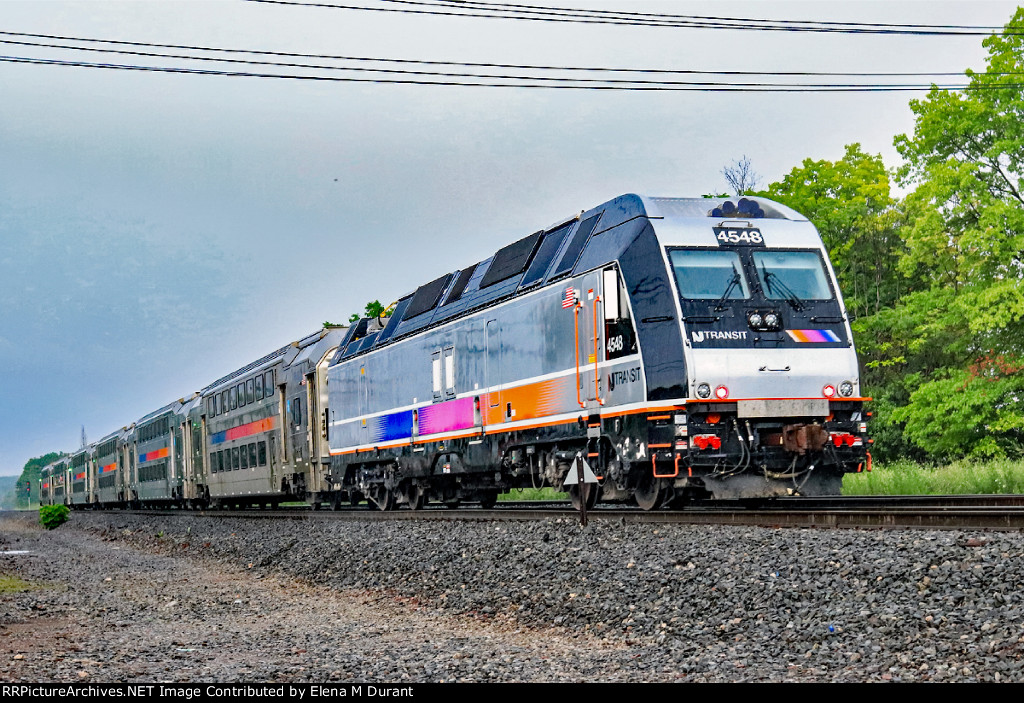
column 950, row 512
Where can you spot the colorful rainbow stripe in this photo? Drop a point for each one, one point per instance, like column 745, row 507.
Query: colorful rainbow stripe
column 79, row 476
column 108, row 468
column 813, row 335
column 154, row 455
column 529, row 401
column 265, row 425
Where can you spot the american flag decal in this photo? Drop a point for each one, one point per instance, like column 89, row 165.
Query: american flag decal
column 569, row 299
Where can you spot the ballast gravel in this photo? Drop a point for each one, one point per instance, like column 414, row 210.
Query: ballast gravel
column 120, row 597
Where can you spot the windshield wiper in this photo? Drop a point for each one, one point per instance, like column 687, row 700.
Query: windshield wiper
column 788, row 295
column 733, row 282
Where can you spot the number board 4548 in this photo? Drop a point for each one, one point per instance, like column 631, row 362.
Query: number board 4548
column 739, row 236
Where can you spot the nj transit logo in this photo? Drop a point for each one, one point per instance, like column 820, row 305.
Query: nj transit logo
column 699, row 337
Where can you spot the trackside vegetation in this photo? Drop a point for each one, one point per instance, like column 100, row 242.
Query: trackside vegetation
column 534, row 494
column 53, row 516
column 960, row 477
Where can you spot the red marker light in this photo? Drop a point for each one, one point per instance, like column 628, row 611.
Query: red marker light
column 722, row 392
column 829, row 391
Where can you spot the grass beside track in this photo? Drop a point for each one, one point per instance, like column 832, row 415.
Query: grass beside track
column 533, row 494
column 13, row 584
column 958, row 478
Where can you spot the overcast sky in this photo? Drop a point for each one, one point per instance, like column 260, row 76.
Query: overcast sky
column 160, row 230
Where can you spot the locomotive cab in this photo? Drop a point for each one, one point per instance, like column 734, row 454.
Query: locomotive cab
column 773, row 404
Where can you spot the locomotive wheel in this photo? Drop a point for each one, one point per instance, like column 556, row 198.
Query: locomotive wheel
column 649, row 494
column 488, row 500
column 383, row 498
column 453, row 503
column 416, row 497
column 590, row 490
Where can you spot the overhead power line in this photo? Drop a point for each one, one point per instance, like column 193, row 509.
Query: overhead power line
column 656, row 15
column 24, row 40
column 471, row 80
column 537, row 13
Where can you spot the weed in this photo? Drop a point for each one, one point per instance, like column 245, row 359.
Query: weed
column 534, row 494
column 53, row 516
column 13, row 584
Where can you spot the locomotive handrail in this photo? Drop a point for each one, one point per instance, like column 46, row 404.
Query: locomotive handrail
column 597, row 387
column 576, row 315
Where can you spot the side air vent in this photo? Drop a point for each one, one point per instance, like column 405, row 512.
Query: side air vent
column 460, row 284
column 546, row 254
column 575, row 248
column 511, row 260
column 426, row 296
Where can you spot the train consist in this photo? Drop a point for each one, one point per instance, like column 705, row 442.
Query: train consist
column 681, row 347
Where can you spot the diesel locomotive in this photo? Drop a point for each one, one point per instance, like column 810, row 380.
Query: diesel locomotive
column 684, row 348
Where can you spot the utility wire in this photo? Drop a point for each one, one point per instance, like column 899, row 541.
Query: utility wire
column 460, row 64
column 544, row 8
column 473, row 10
column 514, row 81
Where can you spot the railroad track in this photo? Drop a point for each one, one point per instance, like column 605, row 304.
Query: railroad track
column 993, row 512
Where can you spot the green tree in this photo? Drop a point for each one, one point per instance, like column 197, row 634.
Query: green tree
column 957, row 340
column 372, row 309
column 30, row 477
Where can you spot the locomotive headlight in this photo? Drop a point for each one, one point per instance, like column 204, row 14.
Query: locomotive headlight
column 771, row 320
column 755, row 319
column 704, row 391
column 721, row 392
column 846, row 389
column 829, row 391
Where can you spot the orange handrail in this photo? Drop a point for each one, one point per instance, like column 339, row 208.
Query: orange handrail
column 597, row 376
column 576, row 314
column 654, row 467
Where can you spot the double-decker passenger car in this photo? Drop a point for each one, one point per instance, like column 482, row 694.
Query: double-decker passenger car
column 80, row 475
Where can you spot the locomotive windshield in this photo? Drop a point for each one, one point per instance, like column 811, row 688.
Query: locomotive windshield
column 792, row 274
column 709, row 274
